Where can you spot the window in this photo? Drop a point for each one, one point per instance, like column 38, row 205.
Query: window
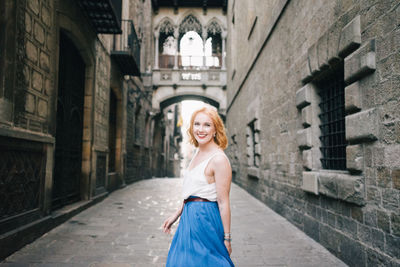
column 253, row 146
column 333, row 140
column 137, row 126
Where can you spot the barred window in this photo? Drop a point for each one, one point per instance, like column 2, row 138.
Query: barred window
column 333, row 140
column 253, row 146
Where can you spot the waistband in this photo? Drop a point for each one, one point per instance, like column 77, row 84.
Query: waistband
column 196, row 199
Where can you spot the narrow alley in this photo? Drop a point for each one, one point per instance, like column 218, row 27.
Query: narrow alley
column 125, row 230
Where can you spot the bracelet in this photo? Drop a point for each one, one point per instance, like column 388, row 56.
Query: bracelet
column 227, row 234
column 228, row 239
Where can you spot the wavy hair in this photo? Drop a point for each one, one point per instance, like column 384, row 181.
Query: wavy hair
column 220, row 135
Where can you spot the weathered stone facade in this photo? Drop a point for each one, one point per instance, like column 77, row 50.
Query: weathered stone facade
column 73, row 125
column 278, row 53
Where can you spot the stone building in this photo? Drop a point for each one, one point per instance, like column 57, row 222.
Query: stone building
column 313, row 118
column 89, row 100
column 76, row 118
column 188, row 62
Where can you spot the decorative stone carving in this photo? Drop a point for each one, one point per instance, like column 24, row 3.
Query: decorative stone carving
column 214, row 28
column 167, row 27
column 190, row 23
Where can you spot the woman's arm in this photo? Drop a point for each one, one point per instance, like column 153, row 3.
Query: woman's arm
column 172, row 219
column 223, row 179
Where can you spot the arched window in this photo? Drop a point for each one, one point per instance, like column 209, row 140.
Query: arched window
column 213, row 46
column 190, row 23
column 191, row 51
column 167, row 45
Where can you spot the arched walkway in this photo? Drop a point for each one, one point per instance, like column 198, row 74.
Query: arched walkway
column 165, row 96
column 176, row 99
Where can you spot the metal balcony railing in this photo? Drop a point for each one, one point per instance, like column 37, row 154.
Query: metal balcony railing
column 126, row 49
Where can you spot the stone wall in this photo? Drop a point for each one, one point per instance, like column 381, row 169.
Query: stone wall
column 102, row 94
column 26, row 94
column 30, row 42
column 285, row 46
column 34, row 76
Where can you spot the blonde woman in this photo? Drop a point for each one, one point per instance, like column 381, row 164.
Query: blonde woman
column 203, row 237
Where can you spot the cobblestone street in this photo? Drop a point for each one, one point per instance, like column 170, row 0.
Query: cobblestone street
column 125, row 230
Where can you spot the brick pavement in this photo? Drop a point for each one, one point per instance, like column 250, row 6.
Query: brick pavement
column 125, row 230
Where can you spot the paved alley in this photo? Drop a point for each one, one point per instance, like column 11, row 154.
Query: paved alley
column 125, row 230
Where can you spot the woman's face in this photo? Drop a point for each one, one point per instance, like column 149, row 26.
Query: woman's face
column 203, row 128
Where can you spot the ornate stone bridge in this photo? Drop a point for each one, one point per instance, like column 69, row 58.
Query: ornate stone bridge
column 171, row 86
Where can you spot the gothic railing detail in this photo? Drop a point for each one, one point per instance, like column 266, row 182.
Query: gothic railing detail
column 21, row 175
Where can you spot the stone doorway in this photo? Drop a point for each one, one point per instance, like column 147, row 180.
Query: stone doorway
column 69, row 129
column 113, row 143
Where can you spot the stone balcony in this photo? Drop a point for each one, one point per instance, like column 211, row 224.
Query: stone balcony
column 178, row 84
column 201, row 78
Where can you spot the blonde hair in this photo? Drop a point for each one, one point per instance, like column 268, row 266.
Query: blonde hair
column 220, row 135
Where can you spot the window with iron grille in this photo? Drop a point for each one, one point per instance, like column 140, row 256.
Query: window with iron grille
column 333, row 140
column 253, row 153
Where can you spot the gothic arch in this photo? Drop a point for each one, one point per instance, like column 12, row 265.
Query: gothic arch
column 175, row 99
column 166, row 26
column 190, row 23
column 214, row 26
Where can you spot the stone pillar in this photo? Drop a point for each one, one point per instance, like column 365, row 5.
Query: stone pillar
column 176, row 35
column 223, row 35
column 204, row 47
column 156, row 35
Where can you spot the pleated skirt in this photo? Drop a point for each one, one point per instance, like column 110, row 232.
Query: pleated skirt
column 199, row 239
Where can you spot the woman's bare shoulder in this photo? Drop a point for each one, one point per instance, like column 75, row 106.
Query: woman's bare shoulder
column 220, row 159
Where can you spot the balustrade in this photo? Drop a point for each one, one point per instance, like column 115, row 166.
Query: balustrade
column 190, row 62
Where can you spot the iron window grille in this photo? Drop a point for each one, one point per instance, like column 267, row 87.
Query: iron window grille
column 252, row 141
column 333, row 140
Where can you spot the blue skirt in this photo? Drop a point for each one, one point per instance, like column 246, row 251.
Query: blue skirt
column 199, row 239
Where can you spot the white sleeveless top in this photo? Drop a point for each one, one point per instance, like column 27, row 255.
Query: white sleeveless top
column 195, row 182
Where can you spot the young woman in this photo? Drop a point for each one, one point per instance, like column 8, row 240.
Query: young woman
column 203, row 237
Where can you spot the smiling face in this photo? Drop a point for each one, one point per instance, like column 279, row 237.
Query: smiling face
column 203, row 128
column 208, row 123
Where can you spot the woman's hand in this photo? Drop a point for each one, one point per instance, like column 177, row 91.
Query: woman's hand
column 228, row 246
column 168, row 223
column 172, row 219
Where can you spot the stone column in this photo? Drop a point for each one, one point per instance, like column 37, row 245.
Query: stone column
column 204, row 47
column 223, row 35
column 176, row 35
column 156, row 35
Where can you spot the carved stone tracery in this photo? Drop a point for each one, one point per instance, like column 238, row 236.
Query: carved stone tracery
column 167, row 27
column 190, row 23
column 214, row 28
